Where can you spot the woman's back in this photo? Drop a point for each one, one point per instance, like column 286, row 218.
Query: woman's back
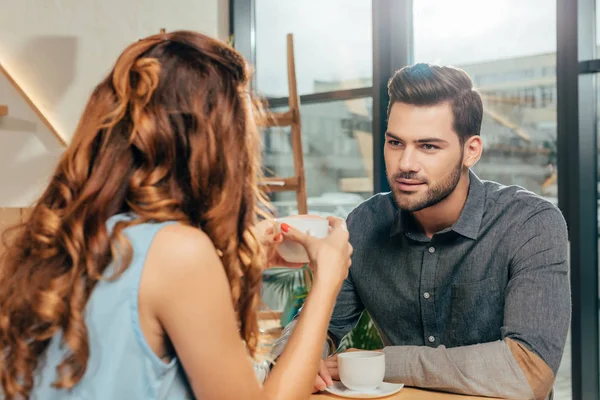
column 121, row 364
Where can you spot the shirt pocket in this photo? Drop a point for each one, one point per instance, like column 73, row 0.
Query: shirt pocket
column 477, row 313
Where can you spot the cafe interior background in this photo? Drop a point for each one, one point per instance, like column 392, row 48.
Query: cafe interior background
column 322, row 67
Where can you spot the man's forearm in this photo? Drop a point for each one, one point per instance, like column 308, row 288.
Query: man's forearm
column 497, row 369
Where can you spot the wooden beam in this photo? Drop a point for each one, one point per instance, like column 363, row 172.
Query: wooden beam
column 39, row 113
column 276, row 184
column 280, row 119
column 296, row 130
column 3, row 111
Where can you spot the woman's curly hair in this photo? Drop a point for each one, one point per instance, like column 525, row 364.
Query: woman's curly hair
column 170, row 134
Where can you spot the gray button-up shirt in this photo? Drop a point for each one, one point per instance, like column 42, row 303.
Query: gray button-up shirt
column 482, row 307
column 500, row 272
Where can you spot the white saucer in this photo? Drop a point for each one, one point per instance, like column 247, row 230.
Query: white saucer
column 385, row 389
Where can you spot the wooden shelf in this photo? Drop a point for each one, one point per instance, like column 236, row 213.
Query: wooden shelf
column 277, row 184
column 3, row 111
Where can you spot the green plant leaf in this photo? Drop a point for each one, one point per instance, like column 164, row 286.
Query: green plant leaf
column 283, row 281
column 364, row 336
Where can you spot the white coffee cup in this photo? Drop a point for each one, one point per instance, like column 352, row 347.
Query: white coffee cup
column 312, row 225
column 361, row 371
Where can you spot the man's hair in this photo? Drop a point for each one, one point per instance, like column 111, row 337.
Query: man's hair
column 429, row 85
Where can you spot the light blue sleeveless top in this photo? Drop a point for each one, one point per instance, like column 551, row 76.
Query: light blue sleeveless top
column 121, row 366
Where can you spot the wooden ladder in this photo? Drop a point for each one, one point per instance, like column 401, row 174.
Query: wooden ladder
column 291, row 118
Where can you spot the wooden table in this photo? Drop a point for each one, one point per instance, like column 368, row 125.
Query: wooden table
column 408, row 393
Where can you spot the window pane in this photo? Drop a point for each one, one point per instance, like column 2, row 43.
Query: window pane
column 337, row 148
column 332, row 41
column 597, row 28
column 509, row 49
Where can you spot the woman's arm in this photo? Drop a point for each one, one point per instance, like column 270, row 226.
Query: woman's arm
column 192, row 302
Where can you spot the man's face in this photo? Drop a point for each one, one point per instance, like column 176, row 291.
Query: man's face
column 423, row 155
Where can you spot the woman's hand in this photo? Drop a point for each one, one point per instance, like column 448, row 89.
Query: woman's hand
column 330, row 257
column 266, row 230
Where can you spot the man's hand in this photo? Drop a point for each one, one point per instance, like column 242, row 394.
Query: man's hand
column 332, row 367
column 328, row 371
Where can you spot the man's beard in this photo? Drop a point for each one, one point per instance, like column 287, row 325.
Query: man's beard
column 434, row 195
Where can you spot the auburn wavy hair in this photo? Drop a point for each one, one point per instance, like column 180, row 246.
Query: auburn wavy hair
column 170, row 134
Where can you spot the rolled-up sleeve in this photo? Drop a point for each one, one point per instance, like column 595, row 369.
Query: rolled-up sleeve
column 537, row 310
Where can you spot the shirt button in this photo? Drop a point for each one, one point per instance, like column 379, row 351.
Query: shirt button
column 431, row 339
column 426, row 295
column 432, row 250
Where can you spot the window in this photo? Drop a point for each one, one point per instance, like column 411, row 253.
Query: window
column 337, row 148
column 332, row 40
column 502, row 45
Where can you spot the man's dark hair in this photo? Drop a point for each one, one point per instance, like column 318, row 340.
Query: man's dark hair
column 428, row 85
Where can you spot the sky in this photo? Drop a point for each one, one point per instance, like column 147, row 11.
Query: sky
column 333, row 38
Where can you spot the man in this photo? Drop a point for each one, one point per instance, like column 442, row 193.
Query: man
column 466, row 280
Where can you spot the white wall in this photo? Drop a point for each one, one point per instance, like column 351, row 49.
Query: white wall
column 58, row 50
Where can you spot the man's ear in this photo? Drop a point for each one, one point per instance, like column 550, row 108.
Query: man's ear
column 473, row 149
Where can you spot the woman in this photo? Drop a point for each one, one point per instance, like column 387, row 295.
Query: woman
column 137, row 275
